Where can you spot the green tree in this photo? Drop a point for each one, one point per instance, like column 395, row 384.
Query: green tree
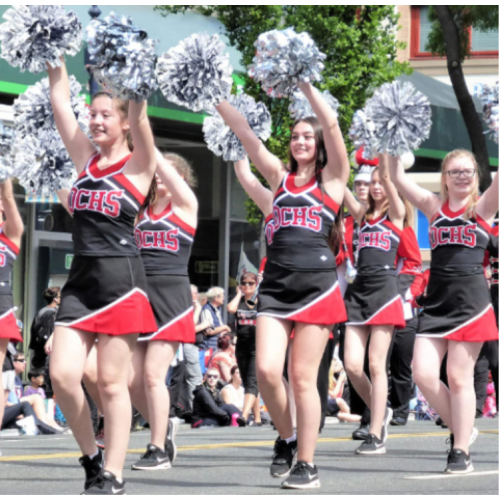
column 359, row 42
column 450, row 37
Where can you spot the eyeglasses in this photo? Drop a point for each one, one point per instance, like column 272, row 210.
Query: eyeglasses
column 213, row 376
column 248, row 283
column 20, row 360
column 467, row 173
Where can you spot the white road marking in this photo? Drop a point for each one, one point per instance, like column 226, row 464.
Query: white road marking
column 446, row 476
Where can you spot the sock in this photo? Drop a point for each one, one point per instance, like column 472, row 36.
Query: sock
column 290, row 439
column 310, row 465
column 94, row 455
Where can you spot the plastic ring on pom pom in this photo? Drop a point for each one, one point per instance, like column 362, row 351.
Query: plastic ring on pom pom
column 407, row 159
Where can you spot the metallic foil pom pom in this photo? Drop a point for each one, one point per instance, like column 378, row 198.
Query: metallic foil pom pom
column 301, row 108
column 361, row 133
column 489, row 97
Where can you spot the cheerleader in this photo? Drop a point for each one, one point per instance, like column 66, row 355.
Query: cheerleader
column 165, row 234
column 374, row 306
column 300, row 289
column 104, row 297
column 11, row 230
column 457, row 314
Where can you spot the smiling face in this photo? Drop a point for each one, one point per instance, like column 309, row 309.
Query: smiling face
column 459, row 177
column 303, row 143
column 362, row 188
column 107, row 122
column 377, row 191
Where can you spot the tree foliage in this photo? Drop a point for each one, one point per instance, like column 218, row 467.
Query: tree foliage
column 359, row 42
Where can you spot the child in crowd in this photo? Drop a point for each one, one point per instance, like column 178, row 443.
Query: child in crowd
column 337, row 406
column 37, row 379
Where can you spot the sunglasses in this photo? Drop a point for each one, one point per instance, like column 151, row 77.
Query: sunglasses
column 213, row 376
column 248, row 283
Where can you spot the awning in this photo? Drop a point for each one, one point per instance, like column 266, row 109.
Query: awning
column 31, row 198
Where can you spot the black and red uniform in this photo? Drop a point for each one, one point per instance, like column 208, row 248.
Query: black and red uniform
column 106, row 288
column 165, row 242
column 493, row 255
column 8, row 321
column 300, row 279
column 373, row 298
column 458, row 303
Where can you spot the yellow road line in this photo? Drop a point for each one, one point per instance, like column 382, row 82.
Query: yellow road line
column 245, row 444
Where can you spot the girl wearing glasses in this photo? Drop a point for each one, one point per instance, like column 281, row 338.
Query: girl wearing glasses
column 457, row 314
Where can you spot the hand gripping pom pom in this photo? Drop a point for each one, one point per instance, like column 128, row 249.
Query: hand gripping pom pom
column 6, row 154
column 44, row 167
column 123, row 57
column 361, row 133
column 34, row 35
column 401, row 116
column 285, row 58
column 489, row 97
column 196, row 73
column 300, row 107
column 33, row 115
column 222, row 141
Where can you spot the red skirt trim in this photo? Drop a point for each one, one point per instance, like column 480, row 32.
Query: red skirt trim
column 180, row 329
column 392, row 313
column 8, row 327
column 327, row 309
column 129, row 314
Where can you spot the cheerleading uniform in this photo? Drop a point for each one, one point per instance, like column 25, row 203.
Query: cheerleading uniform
column 300, row 279
column 165, row 242
column 373, row 298
column 458, row 303
column 493, row 254
column 105, row 292
column 8, row 321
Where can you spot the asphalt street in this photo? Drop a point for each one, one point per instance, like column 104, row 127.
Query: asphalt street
column 234, row 461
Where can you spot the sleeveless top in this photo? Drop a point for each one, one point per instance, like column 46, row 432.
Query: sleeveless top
column 104, row 205
column 165, row 242
column 246, row 319
column 493, row 251
column 457, row 245
column 378, row 246
column 269, row 231
column 8, row 254
column 303, row 219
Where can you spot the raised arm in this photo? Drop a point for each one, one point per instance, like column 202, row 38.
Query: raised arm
column 182, row 194
column 232, row 307
column 427, row 202
column 262, row 196
column 79, row 146
column 337, row 167
column 63, row 195
column 355, row 208
column 13, row 226
column 268, row 165
column 397, row 210
column 487, row 205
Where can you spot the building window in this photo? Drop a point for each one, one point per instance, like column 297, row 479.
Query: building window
column 483, row 43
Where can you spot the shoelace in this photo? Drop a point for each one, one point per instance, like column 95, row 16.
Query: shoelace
column 369, row 439
column 300, row 469
column 99, row 481
column 150, row 453
column 454, row 458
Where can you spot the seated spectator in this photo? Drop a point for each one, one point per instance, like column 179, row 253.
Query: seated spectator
column 233, row 393
column 224, row 359
column 337, row 407
column 37, row 379
column 209, row 408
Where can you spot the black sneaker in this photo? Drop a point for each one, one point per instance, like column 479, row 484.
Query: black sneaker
column 106, row 484
column 398, row 421
column 385, row 424
column 472, row 439
column 361, row 433
column 170, row 446
column 372, row 445
column 302, row 477
column 459, row 463
column 283, row 456
column 92, row 466
column 153, row 459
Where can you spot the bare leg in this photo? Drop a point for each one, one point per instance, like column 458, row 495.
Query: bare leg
column 67, row 361
column 356, row 338
column 379, row 347
column 90, row 379
column 136, row 380
column 3, row 350
column 256, row 410
column 248, row 403
column 309, row 344
column 289, row 386
column 272, row 340
column 38, row 405
column 113, row 362
column 462, row 357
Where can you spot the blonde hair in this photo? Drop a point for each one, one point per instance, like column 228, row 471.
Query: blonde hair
column 183, row 168
column 470, row 209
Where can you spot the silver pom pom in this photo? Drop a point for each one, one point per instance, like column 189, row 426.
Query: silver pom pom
column 300, row 107
column 44, row 167
column 123, row 57
column 34, row 35
column 33, row 113
column 6, row 155
column 489, row 97
column 361, row 133
column 401, row 116
column 283, row 59
column 222, row 141
column 196, row 73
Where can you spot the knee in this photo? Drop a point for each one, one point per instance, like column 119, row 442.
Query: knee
column 111, row 387
column 269, row 374
column 424, row 376
column 136, row 385
column 153, row 380
column 353, row 367
column 458, row 381
column 63, row 379
column 377, row 368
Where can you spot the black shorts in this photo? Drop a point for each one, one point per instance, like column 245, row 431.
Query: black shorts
column 172, row 303
column 374, row 300
column 106, row 295
column 458, row 308
column 312, row 297
column 8, row 321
